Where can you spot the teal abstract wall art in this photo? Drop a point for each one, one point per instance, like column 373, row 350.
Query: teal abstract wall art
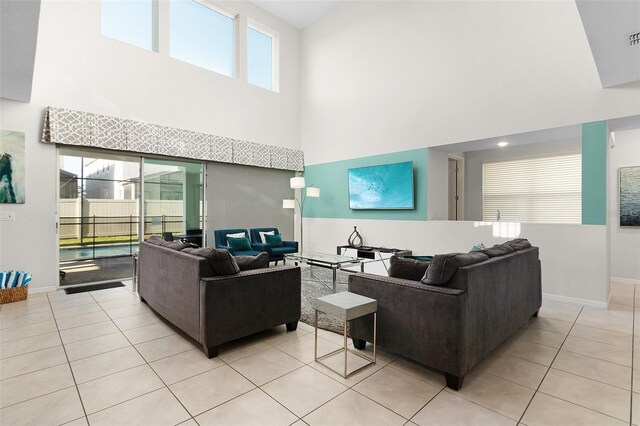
column 630, row 196
column 12, row 176
column 382, row 187
column 333, row 180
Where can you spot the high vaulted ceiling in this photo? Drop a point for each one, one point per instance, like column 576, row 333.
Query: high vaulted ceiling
column 299, row 13
column 610, row 26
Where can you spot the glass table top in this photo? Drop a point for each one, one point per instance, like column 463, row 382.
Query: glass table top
column 329, row 259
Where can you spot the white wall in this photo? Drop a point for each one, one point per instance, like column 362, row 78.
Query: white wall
column 572, row 268
column 77, row 68
column 475, row 159
column 389, row 76
column 381, row 77
column 624, row 241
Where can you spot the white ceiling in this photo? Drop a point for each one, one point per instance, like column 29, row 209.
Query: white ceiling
column 546, row 135
column 298, row 13
column 608, row 25
column 555, row 134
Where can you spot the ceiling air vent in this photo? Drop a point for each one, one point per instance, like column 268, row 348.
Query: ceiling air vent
column 634, row 39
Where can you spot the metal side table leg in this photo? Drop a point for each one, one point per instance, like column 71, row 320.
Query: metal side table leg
column 335, row 276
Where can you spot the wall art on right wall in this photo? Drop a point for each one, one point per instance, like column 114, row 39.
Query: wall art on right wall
column 629, row 196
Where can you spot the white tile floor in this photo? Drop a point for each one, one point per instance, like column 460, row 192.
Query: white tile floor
column 105, row 358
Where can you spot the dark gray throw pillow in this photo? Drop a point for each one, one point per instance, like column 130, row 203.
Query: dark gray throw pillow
column 174, row 245
column 444, row 266
column 155, row 241
column 221, row 261
column 258, row 261
column 408, row 269
column 499, row 250
column 519, row 244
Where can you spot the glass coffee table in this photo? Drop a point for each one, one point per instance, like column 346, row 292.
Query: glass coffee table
column 323, row 260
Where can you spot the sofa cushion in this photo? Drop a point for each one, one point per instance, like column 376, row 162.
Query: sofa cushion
column 409, row 269
column 174, row 245
column 519, row 244
column 279, row 251
column 274, row 240
column 221, row 261
column 239, row 243
column 444, row 266
column 246, row 263
column 498, row 250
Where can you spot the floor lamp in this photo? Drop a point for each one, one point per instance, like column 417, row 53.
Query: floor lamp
column 311, row 191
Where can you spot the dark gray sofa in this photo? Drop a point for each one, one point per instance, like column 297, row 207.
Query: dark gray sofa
column 451, row 328
column 216, row 309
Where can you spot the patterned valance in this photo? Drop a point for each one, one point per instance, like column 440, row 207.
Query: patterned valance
column 78, row 128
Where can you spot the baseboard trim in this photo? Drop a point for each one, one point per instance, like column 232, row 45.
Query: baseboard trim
column 575, row 300
column 43, row 289
column 626, row 280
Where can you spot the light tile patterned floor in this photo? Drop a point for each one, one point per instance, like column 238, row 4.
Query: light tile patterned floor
column 104, row 358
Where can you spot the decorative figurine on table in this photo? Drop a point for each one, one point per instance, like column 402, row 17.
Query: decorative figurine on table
column 355, row 239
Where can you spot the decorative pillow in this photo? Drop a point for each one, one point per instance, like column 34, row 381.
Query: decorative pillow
column 259, row 261
column 519, row 244
column 174, row 245
column 409, row 269
column 221, row 261
column 274, row 240
column 239, row 244
column 262, row 234
column 237, row 235
column 444, row 266
column 498, row 250
column 155, row 241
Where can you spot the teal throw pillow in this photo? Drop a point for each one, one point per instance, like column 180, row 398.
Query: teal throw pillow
column 239, row 243
column 274, row 240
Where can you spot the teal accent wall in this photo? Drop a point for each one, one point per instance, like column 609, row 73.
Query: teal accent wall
column 594, row 173
column 332, row 180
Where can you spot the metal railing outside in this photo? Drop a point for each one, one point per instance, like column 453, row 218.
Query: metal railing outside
column 92, row 237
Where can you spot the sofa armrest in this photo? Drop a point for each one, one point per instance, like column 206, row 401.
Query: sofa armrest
column 261, row 247
column 293, row 244
column 227, row 248
column 238, row 305
column 425, row 323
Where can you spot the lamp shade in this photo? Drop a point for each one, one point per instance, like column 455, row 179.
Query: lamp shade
column 288, row 204
column 297, row 182
column 313, row 192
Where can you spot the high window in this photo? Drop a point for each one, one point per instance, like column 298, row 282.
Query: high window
column 131, row 21
column 261, row 56
column 545, row 189
column 202, row 35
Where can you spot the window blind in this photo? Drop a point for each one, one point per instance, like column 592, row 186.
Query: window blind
column 546, row 189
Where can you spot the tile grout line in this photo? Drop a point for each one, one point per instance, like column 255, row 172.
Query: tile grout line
column 73, row 376
column 549, row 368
column 147, row 364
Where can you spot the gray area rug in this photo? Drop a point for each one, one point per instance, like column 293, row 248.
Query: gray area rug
column 317, row 282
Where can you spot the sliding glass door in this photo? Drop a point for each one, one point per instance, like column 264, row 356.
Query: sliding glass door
column 101, row 209
column 173, row 199
column 98, row 216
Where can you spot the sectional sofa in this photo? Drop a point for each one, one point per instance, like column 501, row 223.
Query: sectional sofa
column 471, row 304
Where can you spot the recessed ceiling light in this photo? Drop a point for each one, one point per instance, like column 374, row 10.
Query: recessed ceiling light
column 503, row 144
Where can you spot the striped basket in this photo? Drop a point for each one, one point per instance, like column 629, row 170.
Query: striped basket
column 15, row 294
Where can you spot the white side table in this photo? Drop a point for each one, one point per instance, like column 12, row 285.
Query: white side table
column 346, row 306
